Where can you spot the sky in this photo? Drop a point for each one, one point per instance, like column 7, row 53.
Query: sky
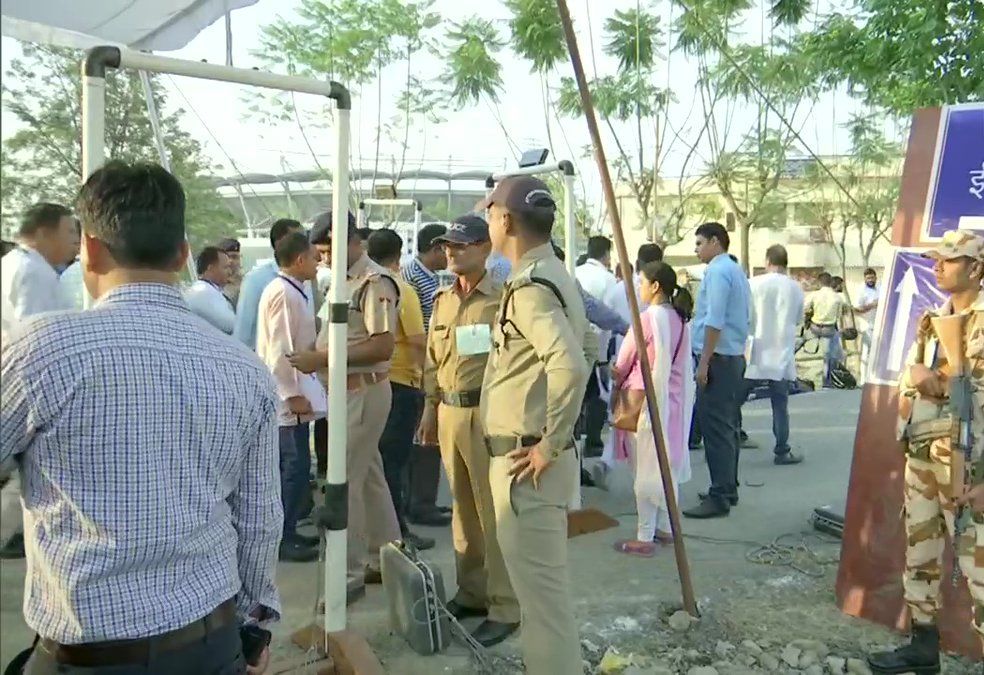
column 469, row 138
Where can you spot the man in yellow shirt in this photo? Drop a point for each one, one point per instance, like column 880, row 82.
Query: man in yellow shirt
column 384, row 247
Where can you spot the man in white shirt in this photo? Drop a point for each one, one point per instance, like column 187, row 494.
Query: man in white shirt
column 825, row 307
column 48, row 239
column 596, row 278
column 866, row 307
column 615, row 297
column 777, row 307
column 206, row 297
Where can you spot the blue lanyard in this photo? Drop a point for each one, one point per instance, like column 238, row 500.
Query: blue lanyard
column 296, row 287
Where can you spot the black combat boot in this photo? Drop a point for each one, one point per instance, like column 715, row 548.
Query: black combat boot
column 921, row 656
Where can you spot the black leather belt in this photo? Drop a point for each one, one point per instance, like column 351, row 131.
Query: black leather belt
column 462, row 399
column 500, row 446
column 123, row 652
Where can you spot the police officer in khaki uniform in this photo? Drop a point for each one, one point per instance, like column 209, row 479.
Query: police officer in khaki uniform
column 940, row 503
column 531, row 397
column 458, row 346
column 372, row 322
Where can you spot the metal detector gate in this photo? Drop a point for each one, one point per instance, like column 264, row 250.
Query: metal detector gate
column 411, row 245
column 97, row 61
column 566, row 169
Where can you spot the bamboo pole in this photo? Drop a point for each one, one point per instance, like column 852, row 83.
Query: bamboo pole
column 683, row 567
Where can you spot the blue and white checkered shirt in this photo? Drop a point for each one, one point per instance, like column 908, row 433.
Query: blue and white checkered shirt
column 147, row 446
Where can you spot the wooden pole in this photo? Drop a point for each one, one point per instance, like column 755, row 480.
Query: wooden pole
column 683, row 567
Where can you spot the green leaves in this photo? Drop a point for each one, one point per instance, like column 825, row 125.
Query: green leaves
column 789, row 12
column 43, row 158
column 471, row 65
column 904, row 54
column 616, row 97
column 633, row 37
column 537, row 35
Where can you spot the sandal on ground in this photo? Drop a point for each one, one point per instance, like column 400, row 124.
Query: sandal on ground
column 641, row 549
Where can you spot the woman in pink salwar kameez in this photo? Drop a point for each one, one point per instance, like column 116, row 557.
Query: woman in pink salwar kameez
column 664, row 325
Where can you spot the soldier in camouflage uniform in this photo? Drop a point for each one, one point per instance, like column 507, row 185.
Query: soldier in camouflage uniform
column 939, row 504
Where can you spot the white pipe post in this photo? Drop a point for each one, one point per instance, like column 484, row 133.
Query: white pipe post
column 360, row 215
column 336, row 554
column 93, row 136
column 418, row 215
column 570, row 237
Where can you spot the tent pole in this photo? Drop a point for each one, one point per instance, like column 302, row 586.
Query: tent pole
column 93, row 128
column 587, row 105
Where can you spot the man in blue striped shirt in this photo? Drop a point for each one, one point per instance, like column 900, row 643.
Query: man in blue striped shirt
column 422, row 273
column 720, row 330
column 146, row 443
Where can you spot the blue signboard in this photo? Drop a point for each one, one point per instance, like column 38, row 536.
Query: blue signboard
column 956, row 196
column 908, row 290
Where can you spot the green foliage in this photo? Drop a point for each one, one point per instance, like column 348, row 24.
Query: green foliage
column 42, row 160
column 789, row 12
column 537, row 35
column 748, row 177
column 900, row 55
column 780, row 71
column 704, row 25
column 471, row 64
column 633, row 38
column 619, row 97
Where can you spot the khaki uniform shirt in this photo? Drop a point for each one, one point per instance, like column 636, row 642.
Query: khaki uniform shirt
column 537, row 371
column 446, row 370
column 915, row 414
column 373, row 309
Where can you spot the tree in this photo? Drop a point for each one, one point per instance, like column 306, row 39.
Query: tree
column 772, row 78
column 42, row 160
column 859, row 200
column 903, row 54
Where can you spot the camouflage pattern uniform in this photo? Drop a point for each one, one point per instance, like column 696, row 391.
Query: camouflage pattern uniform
column 930, row 514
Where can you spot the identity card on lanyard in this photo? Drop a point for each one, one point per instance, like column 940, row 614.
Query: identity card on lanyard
column 473, row 339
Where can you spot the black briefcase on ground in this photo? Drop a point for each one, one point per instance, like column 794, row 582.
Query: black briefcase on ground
column 416, row 598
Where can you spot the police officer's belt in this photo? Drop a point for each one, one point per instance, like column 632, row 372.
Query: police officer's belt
column 125, row 652
column 355, row 381
column 500, row 446
column 462, row 399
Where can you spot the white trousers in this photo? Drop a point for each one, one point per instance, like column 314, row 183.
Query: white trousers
column 652, row 511
column 11, row 513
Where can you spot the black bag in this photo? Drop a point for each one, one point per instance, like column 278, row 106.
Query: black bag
column 841, row 377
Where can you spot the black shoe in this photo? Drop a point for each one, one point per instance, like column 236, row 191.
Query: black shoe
column 445, row 509
column 694, row 447
column 460, row 612
column 712, row 507
column 491, row 633
column 921, row 656
column 594, row 448
column 788, row 458
column 373, row 577
column 747, row 443
column 431, row 517
column 418, row 542
column 292, row 551
column 14, row 548
column 732, row 499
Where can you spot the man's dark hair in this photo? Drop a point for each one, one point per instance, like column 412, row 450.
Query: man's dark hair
column 6, row 247
column 581, row 259
column 208, row 256
column 42, row 215
column 427, row 235
column 230, row 245
column 281, row 228
column 777, row 256
column 137, row 211
column 289, row 247
column 714, row 230
column 648, row 253
column 599, row 247
column 837, row 281
column 384, row 246
column 825, row 279
column 870, row 270
column 364, row 233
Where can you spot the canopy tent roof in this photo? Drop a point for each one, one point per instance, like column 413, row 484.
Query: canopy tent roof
column 158, row 25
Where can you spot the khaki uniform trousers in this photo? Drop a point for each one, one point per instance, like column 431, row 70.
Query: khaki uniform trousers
column 532, row 531
column 481, row 572
column 372, row 519
column 929, row 519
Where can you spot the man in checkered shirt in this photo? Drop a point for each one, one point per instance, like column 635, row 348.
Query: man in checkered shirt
column 146, row 442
